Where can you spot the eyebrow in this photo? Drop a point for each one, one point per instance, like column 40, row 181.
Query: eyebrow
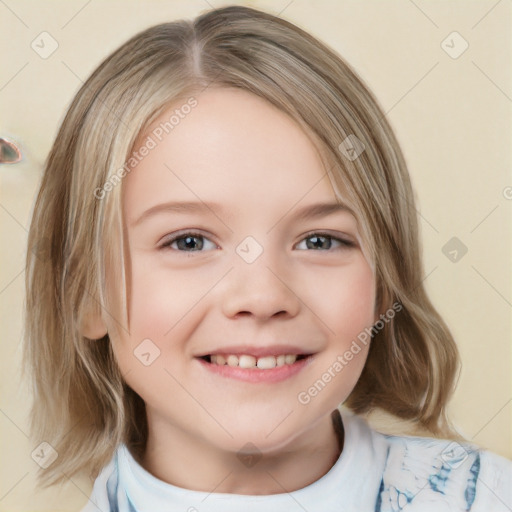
column 321, row 210
column 178, row 207
column 307, row 212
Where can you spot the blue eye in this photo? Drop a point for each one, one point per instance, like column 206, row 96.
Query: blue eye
column 188, row 242
column 325, row 242
column 196, row 242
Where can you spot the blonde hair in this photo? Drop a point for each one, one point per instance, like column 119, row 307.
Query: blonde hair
column 76, row 246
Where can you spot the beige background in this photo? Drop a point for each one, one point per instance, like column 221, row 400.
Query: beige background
column 452, row 117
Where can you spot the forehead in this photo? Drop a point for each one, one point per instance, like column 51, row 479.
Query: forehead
column 232, row 147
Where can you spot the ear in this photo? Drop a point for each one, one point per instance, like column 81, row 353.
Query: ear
column 92, row 325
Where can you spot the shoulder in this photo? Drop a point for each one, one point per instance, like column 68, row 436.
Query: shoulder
column 420, row 472
column 105, row 488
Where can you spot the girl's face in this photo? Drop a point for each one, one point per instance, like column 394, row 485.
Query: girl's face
column 234, row 252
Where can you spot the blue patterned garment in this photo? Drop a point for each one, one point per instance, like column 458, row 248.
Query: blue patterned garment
column 375, row 473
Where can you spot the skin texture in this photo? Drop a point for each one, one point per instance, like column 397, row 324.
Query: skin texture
column 236, row 150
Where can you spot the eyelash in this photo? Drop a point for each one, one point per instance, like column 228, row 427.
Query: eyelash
column 344, row 244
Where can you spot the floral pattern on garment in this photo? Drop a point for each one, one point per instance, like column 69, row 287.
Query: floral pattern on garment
column 423, row 473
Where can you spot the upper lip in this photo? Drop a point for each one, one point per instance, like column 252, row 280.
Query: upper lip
column 258, row 351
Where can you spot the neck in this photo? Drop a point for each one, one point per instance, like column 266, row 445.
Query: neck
column 173, row 456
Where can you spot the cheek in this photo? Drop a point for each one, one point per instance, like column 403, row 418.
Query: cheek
column 162, row 298
column 344, row 299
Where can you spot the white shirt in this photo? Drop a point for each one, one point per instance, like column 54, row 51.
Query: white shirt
column 374, row 473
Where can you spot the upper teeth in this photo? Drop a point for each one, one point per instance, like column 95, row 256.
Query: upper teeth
column 247, row 361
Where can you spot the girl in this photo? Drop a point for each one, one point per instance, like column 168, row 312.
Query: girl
column 230, row 253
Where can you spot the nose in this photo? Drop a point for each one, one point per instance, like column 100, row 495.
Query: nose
column 259, row 290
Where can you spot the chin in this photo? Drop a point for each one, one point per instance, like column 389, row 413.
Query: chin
column 264, row 437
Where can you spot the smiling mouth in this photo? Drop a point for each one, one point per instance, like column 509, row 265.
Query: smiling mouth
column 247, row 361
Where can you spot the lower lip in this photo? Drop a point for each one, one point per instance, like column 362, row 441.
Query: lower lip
column 277, row 374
